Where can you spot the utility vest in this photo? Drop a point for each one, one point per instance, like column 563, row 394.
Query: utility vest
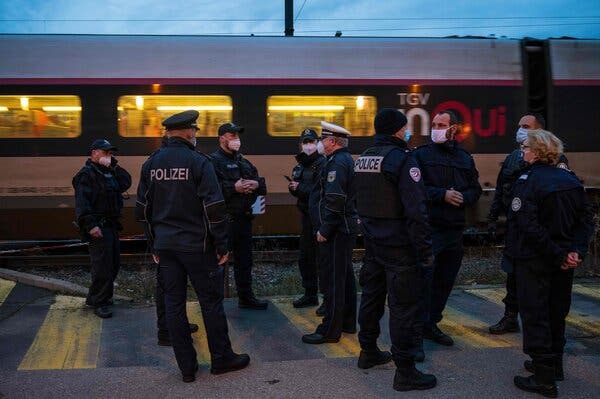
column 509, row 172
column 376, row 195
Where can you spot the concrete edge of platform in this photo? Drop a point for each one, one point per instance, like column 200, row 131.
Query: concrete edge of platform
column 52, row 284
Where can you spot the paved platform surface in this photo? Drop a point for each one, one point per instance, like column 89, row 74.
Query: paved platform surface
column 52, row 346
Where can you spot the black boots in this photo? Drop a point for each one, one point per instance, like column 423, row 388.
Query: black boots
column 235, row 362
column 559, row 374
column 508, row 324
column 368, row 359
column 104, row 311
column 190, row 377
column 408, row 379
column 306, row 300
column 251, row 302
column 541, row 382
column 320, row 310
column 435, row 334
column 317, row 339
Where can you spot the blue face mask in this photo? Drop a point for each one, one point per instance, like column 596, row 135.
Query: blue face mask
column 407, row 135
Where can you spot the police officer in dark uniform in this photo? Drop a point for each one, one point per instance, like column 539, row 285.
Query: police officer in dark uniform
column 304, row 177
column 550, row 225
column 509, row 172
column 98, row 202
column 451, row 180
column 161, row 314
column 336, row 235
column 181, row 199
column 397, row 245
column 241, row 185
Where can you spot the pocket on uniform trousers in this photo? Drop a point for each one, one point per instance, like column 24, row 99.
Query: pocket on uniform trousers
column 407, row 284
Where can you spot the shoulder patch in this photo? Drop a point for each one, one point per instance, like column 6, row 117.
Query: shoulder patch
column 523, row 177
column 415, row 174
column 331, row 176
column 562, row 165
column 515, row 205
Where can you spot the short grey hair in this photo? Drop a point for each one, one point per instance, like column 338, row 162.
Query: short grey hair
column 341, row 141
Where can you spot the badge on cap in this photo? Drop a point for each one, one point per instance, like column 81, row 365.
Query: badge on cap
column 516, row 204
column 415, row 174
column 331, row 176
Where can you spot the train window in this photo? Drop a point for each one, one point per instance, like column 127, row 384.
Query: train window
column 141, row 116
column 289, row 115
column 32, row 116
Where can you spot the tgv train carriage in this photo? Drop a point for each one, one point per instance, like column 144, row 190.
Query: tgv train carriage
column 60, row 92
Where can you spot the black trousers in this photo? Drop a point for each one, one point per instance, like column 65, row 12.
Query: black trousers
column 391, row 271
column 105, row 261
column 544, row 302
column 337, row 275
column 207, row 279
column 161, row 312
column 307, row 261
column 239, row 231
column 439, row 280
column 511, row 303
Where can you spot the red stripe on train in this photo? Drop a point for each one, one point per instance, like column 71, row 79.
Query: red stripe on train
column 576, row 82
column 260, row 81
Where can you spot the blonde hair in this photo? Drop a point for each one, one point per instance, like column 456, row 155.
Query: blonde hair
column 546, row 146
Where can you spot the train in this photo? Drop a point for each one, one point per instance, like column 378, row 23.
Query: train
column 60, row 92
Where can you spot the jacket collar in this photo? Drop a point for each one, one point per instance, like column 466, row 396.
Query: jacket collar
column 306, row 160
column 381, row 140
column 178, row 141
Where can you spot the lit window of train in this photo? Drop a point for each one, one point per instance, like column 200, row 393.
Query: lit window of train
column 141, row 116
column 288, row 115
column 33, row 116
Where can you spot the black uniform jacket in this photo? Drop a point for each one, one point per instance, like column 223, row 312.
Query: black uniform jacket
column 549, row 216
column 307, row 174
column 229, row 169
column 180, row 200
column 412, row 229
column 445, row 166
column 98, row 194
column 510, row 171
column 336, row 211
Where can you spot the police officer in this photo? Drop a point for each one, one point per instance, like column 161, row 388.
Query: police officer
column 509, row 172
column 550, row 225
column 336, row 234
column 181, row 199
column 451, row 180
column 161, row 315
column 304, row 177
column 98, row 202
column 241, row 185
column 397, row 244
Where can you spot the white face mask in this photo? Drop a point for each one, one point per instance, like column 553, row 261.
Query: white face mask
column 234, row 145
column 105, row 161
column 320, row 148
column 438, row 135
column 309, row 148
column 521, row 135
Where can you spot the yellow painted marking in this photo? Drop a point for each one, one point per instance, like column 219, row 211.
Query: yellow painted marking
column 589, row 324
column 69, row 338
column 6, row 287
column 592, row 292
column 473, row 332
column 200, row 341
column 307, row 321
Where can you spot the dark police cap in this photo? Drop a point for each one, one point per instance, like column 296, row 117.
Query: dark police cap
column 182, row 120
column 102, row 144
column 388, row 121
column 230, row 128
column 309, row 134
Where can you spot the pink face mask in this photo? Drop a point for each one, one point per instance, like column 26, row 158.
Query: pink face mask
column 438, row 136
column 234, row 145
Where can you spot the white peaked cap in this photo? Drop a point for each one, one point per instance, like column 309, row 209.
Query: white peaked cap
column 329, row 129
